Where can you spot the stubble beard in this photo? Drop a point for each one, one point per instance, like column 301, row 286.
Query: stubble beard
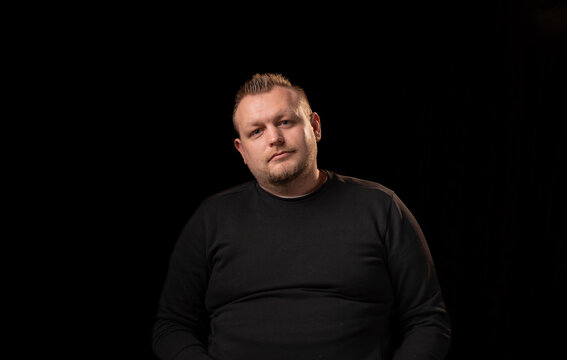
column 287, row 175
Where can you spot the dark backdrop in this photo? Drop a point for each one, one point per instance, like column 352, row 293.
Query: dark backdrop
column 458, row 106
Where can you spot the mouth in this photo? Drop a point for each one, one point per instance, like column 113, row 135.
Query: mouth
column 280, row 155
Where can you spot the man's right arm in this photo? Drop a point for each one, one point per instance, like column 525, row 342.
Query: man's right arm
column 182, row 323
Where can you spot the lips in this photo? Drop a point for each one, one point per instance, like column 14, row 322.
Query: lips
column 280, row 155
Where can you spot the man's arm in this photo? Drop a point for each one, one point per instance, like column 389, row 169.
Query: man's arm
column 181, row 328
column 421, row 317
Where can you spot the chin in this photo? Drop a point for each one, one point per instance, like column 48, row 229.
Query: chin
column 285, row 174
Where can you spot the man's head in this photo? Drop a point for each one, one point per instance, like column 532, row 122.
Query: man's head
column 277, row 131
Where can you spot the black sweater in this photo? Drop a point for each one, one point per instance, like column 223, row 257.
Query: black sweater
column 343, row 273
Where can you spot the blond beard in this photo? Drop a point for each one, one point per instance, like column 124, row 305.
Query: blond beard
column 288, row 175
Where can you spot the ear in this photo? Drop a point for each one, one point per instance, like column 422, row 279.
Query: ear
column 316, row 125
column 238, row 146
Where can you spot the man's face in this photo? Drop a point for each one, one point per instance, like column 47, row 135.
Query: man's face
column 277, row 140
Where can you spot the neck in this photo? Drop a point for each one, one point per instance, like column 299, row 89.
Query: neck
column 303, row 185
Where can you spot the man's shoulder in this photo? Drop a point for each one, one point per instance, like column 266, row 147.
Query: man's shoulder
column 233, row 192
column 363, row 185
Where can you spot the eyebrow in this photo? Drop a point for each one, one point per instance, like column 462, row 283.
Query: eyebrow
column 277, row 117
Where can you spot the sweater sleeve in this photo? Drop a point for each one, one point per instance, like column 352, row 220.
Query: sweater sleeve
column 421, row 320
column 182, row 325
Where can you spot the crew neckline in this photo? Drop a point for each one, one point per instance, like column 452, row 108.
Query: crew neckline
column 321, row 188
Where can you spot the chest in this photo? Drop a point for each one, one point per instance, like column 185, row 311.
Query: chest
column 254, row 254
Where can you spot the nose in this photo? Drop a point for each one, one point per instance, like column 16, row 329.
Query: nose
column 275, row 136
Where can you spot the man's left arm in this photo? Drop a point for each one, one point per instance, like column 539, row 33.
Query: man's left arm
column 421, row 316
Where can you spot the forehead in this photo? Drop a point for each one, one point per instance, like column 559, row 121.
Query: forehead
column 266, row 106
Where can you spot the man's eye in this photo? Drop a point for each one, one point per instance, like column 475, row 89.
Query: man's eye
column 285, row 122
column 255, row 132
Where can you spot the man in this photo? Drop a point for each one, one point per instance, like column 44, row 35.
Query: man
column 301, row 263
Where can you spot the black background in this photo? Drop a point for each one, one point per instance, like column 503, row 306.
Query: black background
column 457, row 106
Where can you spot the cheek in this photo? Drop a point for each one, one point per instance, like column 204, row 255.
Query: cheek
column 253, row 153
column 307, row 138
